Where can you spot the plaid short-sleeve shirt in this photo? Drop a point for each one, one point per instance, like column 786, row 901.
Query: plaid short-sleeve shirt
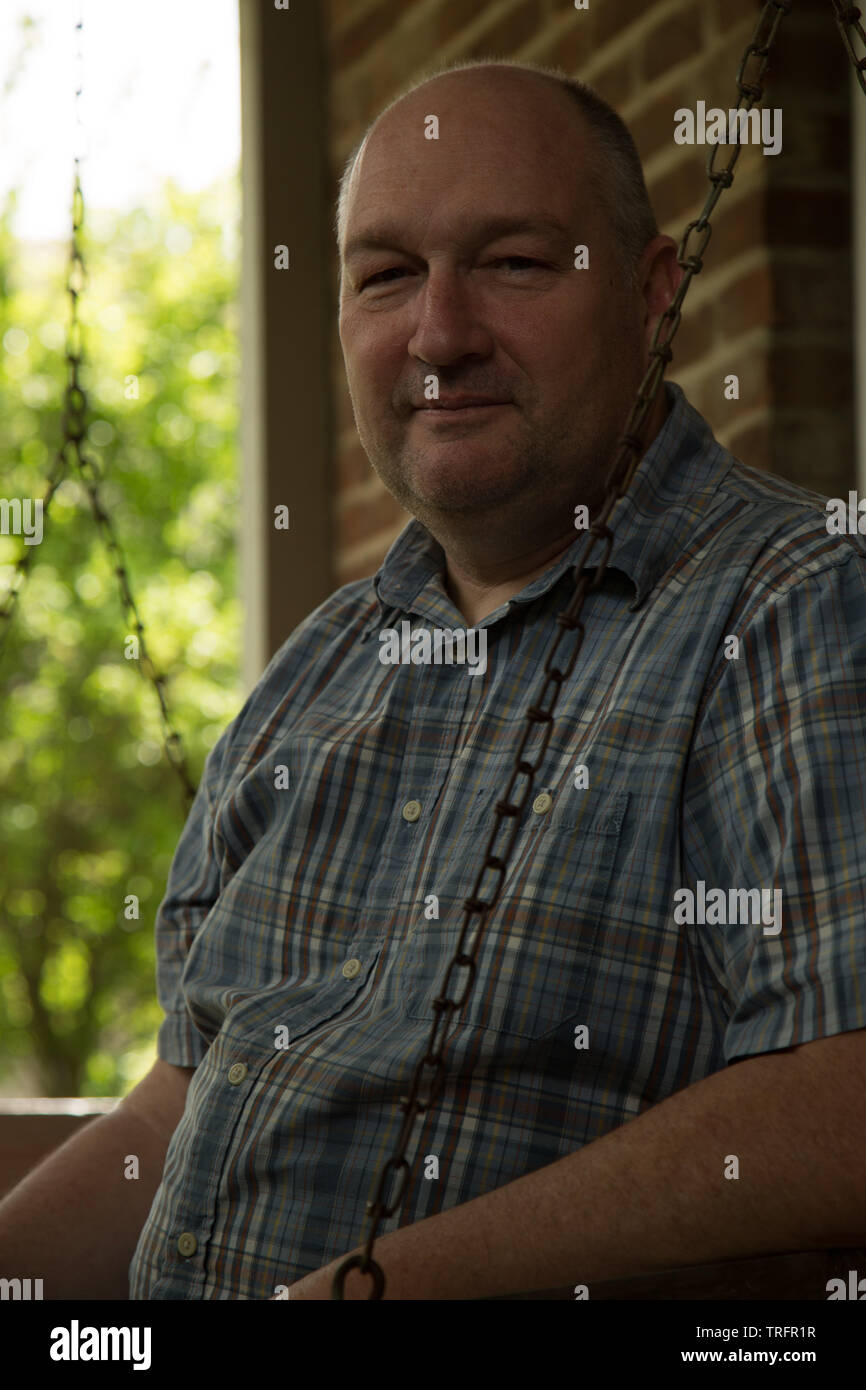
column 708, row 765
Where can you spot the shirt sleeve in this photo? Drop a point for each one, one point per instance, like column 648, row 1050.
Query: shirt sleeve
column 195, row 878
column 776, row 799
column 192, row 889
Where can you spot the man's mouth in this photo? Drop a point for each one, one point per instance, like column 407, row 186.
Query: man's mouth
column 461, row 405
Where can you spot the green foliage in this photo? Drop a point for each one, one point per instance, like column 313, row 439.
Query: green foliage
column 90, row 811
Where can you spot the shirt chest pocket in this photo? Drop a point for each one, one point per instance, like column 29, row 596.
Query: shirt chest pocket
column 535, row 960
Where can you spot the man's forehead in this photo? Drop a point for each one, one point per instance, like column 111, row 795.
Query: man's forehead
column 498, row 106
column 493, row 87
column 389, row 232
column 498, row 167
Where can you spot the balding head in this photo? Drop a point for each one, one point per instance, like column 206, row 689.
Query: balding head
column 611, row 165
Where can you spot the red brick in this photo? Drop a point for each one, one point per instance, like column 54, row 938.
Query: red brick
column 727, row 14
column 608, row 19
column 813, row 142
column 520, row 23
column 676, row 193
column 415, row 51
column 652, row 124
column 816, row 51
column 751, row 366
column 815, row 449
column 339, row 13
column 738, row 226
column 362, row 520
column 800, row 217
column 676, row 39
column 748, row 302
column 754, row 444
column 572, row 48
column 808, row 39
column 450, row 18
column 696, row 334
column 586, row 36
column 617, row 82
column 818, row 293
column 387, row 80
column 818, row 372
column 371, row 26
column 353, row 466
column 351, row 105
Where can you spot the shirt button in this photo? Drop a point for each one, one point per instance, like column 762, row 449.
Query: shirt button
column 542, row 803
column 351, row 968
column 237, row 1072
column 412, row 810
column 187, row 1243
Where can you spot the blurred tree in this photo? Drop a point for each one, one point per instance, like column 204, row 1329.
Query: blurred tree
column 90, row 810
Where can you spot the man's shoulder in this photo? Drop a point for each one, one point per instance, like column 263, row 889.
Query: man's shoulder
column 716, row 493
column 341, row 617
column 333, row 628
column 791, row 531
column 351, row 605
column 769, row 491
column 696, row 506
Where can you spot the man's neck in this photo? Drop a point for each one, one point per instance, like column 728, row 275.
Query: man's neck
column 475, row 597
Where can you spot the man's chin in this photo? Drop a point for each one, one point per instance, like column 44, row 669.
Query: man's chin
column 451, row 480
column 468, row 498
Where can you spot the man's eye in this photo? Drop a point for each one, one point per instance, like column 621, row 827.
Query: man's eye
column 392, row 270
column 522, row 263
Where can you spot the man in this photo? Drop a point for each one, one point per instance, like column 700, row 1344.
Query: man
column 662, row 1060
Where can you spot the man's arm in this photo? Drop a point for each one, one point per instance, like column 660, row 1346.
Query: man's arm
column 74, row 1221
column 653, row 1194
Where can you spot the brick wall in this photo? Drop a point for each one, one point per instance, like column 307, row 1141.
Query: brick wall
column 773, row 301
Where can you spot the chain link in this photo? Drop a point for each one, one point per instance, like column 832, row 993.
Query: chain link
column 72, row 453
column 539, row 716
column 847, row 18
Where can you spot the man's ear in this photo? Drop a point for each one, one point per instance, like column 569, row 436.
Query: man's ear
column 658, row 276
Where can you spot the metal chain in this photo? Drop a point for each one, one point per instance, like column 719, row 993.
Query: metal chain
column 73, row 429
column 848, row 17
column 629, row 452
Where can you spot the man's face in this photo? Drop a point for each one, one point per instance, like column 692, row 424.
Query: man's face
column 474, row 283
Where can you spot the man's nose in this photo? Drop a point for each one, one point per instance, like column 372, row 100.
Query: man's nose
column 448, row 324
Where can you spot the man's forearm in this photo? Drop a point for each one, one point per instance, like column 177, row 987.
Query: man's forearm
column 653, row 1193
column 74, row 1221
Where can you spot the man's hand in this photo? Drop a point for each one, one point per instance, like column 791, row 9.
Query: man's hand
column 74, row 1221
column 318, row 1284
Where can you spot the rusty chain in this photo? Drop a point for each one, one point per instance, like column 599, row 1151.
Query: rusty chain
column 618, row 479
column 629, row 452
column 71, row 452
column 848, row 17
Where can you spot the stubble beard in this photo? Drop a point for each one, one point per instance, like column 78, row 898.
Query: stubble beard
column 550, row 472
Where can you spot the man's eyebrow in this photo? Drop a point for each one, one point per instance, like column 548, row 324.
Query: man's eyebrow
column 387, row 237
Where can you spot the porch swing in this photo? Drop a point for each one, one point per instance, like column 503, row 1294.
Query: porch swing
column 798, row 1275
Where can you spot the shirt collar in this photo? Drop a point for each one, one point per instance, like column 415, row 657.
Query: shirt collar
column 673, row 485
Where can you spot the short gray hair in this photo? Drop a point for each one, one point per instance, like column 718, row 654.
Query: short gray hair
column 621, row 185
